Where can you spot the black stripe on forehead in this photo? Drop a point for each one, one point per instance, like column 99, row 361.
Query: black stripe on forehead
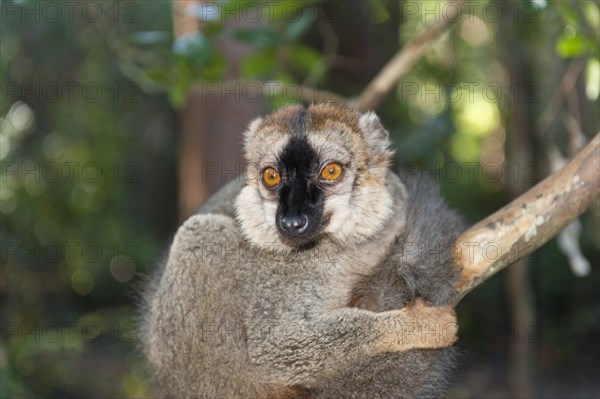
column 298, row 124
column 298, row 160
column 299, row 195
column 300, row 199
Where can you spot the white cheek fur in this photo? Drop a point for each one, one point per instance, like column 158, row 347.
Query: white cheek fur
column 256, row 217
column 356, row 214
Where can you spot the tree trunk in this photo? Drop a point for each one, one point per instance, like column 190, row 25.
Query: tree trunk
column 211, row 126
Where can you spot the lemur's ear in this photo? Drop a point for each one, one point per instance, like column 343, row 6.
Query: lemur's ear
column 376, row 136
column 252, row 128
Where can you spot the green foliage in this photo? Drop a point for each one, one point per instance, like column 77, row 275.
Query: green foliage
column 262, row 64
column 275, row 49
column 77, row 233
column 129, row 212
column 579, row 38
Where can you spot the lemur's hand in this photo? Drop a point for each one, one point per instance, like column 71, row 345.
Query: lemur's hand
column 437, row 327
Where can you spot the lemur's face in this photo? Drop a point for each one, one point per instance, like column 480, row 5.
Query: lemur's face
column 314, row 172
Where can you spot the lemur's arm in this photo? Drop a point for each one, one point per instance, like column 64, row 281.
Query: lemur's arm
column 308, row 349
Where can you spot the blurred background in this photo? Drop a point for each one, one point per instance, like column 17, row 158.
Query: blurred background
column 119, row 118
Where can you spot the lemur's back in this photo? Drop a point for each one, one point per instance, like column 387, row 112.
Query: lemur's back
column 194, row 313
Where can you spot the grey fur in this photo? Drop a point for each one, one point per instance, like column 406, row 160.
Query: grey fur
column 421, row 266
column 229, row 319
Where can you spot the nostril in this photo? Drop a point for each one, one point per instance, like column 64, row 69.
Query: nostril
column 295, row 224
column 301, row 223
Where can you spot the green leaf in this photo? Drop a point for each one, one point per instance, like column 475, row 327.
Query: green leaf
column 182, row 81
column 571, row 47
column 157, row 75
column 215, row 68
column 212, row 29
column 150, row 37
column 258, row 37
column 259, row 64
column 380, row 12
column 304, row 58
column 195, row 47
column 178, row 95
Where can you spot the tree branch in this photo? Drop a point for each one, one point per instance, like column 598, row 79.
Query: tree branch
column 529, row 221
column 404, row 59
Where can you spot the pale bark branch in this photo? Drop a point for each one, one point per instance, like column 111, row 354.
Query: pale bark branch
column 529, row 221
column 404, row 59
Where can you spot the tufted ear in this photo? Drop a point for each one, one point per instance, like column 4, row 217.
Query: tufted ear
column 251, row 131
column 375, row 135
column 252, row 128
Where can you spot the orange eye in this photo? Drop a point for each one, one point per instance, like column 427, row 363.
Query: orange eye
column 271, row 177
column 332, row 171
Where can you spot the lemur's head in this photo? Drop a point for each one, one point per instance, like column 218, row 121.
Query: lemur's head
column 314, row 172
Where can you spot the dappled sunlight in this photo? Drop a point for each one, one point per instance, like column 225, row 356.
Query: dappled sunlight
column 103, row 101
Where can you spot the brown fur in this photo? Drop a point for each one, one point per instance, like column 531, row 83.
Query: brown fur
column 232, row 316
column 283, row 392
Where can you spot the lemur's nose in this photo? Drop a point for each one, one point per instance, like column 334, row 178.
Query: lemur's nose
column 294, row 225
